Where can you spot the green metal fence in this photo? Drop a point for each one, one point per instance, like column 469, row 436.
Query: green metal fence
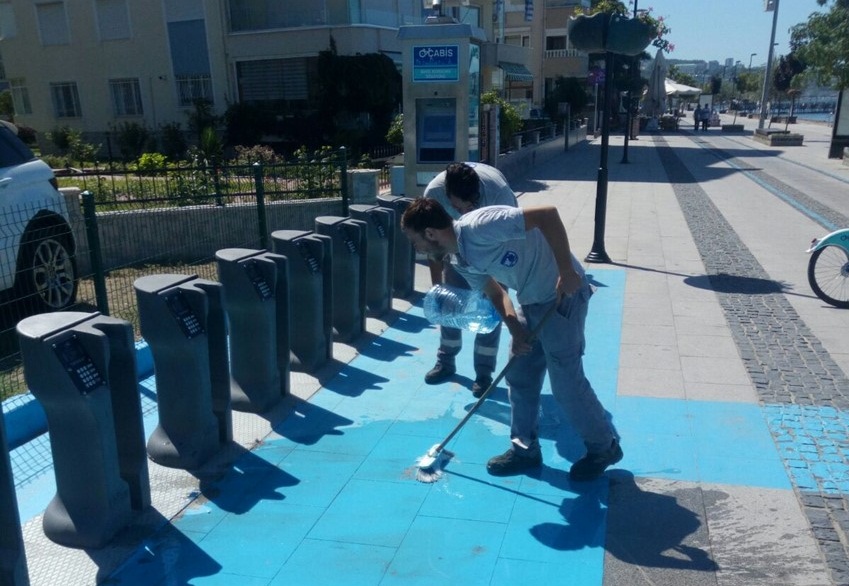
column 171, row 220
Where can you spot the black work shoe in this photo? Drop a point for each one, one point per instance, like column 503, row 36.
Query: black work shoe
column 593, row 464
column 480, row 385
column 514, row 462
column 439, row 373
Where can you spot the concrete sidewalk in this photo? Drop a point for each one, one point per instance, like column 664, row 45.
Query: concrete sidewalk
column 723, row 372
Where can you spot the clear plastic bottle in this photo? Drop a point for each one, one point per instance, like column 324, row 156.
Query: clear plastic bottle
column 460, row 308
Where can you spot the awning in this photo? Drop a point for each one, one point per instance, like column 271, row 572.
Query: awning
column 516, row 72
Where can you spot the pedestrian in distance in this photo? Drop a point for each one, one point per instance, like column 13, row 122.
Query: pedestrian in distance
column 705, row 117
column 697, row 117
column 463, row 187
column 527, row 249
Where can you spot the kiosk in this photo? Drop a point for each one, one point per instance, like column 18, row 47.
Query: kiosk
column 310, row 302
column 348, row 291
column 82, row 369
column 403, row 253
column 442, row 87
column 380, row 233
column 257, row 304
column 182, row 319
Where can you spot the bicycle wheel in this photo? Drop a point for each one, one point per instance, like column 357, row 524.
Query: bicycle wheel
column 828, row 275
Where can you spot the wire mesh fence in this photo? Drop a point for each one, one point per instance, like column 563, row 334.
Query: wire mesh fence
column 129, row 224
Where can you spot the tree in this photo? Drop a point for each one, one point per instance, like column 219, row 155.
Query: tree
column 822, row 44
column 356, row 99
column 679, row 76
column 570, row 90
column 7, row 107
column 788, row 68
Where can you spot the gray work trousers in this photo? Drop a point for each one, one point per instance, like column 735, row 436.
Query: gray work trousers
column 559, row 348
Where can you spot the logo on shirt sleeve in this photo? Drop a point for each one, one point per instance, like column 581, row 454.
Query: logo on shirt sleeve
column 509, row 259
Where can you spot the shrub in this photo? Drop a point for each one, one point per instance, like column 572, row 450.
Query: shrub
column 256, row 154
column 27, row 134
column 60, row 136
column 132, row 139
column 174, row 144
column 151, row 163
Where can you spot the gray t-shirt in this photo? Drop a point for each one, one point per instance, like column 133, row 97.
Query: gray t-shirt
column 494, row 189
column 492, row 241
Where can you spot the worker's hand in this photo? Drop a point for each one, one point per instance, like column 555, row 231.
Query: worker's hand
column 521, row 338
column 568, row 282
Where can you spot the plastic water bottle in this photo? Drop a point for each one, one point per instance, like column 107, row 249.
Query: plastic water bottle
column 460, row 308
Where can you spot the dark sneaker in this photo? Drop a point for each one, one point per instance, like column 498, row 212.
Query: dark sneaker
column 514, row 462
column 480, row 385
column 593, row 464
column 439, row 373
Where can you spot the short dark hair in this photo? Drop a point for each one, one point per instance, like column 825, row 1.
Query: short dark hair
column 462, row 182
column 423, row 213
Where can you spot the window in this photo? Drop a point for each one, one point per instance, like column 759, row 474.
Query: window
column 194, row 87
column 555, row 43
column 8, row 28
column 518, row 39
column 52, row 23
column 66, row 100
column 190, row 60
column 273, row 80
column 126, row 97
column 113, row 20
column 20, row 96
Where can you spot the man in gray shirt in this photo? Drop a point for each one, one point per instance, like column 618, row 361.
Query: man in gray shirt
column 527, row 250
column 460, row 188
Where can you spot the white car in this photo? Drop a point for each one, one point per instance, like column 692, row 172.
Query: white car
column 37, row 247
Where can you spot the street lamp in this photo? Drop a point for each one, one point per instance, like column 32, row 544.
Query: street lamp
column 750, row 59
column 768, row 72
column 634, row 71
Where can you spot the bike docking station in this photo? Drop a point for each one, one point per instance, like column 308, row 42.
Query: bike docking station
column 182, row 319
column 380, row 234
column 403, row 255
column 310, row 316
column 13, row 559
column 256, row 301
column 82, row 369
column 348, row 269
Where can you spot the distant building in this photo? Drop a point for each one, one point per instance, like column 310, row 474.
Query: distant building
column 94, row 65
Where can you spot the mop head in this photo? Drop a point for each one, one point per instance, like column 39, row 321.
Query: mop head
column 430, row 465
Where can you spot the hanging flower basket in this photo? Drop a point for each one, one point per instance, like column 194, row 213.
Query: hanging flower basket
column 625, row 36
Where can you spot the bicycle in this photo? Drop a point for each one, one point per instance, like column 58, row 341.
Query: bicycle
column 828, row 268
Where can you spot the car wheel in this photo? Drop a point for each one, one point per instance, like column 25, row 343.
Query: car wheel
column 49, row 272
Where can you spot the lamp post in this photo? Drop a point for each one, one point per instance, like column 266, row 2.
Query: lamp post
column 635, row 72
column 750, row 59
column 608, row 33
column 768, row 72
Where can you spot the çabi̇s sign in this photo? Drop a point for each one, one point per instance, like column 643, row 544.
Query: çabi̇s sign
column 436, row 63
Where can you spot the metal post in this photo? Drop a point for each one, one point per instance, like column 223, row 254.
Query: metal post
column 598, row 253
column 95, row 256
column 262, row 220
column 343, row 178
column 635, row 61
column 768, row 70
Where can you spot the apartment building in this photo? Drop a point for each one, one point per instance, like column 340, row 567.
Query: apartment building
column 94, row 64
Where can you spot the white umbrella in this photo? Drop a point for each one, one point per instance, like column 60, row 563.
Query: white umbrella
column 679, row 90
column 655, row 103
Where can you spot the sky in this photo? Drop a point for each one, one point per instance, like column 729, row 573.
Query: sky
column 715, row 30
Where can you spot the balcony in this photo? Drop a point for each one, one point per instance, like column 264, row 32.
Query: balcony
column 562, row 53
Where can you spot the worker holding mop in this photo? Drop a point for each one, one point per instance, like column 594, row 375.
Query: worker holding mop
column 527, row 249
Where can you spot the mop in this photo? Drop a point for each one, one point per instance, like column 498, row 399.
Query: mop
column 431, row 464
